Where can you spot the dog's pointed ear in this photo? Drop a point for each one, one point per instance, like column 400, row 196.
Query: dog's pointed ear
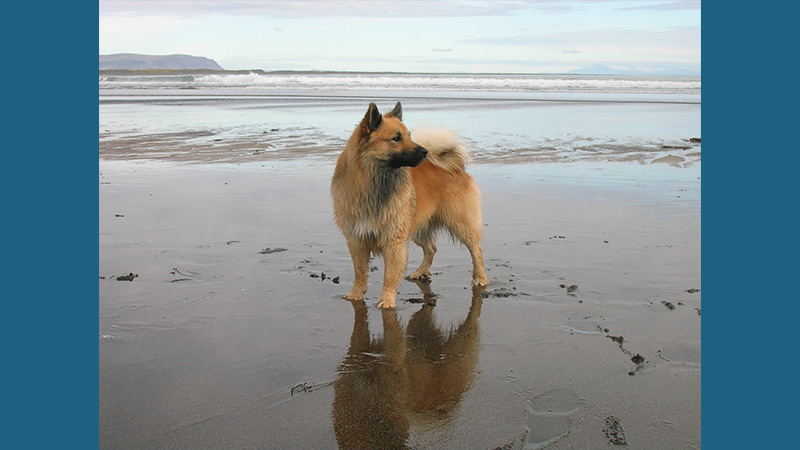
column 372, row 120
column 397, row 111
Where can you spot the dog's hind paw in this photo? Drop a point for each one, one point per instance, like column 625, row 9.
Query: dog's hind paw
column 419, row 276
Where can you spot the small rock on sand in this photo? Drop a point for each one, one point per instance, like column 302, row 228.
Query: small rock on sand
column 269, row 250
column 128, row 277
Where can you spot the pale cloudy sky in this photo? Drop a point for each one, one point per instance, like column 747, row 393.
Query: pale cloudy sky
column 412, row 36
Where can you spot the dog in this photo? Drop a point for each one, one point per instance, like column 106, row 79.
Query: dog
column 388, row 188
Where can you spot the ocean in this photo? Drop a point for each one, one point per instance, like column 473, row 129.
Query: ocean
column 505, row 118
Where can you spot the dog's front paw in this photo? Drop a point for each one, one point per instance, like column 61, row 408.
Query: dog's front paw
column 353, row 296
column 480, row 281
column 386, row 303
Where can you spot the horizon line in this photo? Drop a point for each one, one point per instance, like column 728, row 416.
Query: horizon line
column 688, row 73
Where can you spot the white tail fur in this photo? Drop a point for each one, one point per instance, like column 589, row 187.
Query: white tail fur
column 445, row 150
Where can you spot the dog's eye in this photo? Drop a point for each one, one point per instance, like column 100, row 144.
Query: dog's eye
column 397, row 138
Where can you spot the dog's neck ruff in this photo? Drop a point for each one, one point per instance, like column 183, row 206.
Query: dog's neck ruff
column 383, row 186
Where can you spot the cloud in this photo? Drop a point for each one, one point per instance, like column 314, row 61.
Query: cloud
column 675, row 5
column 443, row 49
column 389, row 9
column 317, row 8
column 685, row 40
column 123, row 26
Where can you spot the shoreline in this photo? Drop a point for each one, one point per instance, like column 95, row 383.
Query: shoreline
column 209, row 147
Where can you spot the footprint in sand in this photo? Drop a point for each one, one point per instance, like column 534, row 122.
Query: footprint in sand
column 548, row 417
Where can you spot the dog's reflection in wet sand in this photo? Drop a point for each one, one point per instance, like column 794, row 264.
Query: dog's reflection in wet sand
column 418, row 374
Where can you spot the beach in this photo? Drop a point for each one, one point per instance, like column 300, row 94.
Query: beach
column 221, row 322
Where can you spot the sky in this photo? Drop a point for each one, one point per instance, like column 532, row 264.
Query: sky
column 536, row 36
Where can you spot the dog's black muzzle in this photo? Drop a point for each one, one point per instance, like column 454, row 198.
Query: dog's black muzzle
column 411, row 158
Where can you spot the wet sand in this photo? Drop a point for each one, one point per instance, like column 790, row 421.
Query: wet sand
column 221, row 323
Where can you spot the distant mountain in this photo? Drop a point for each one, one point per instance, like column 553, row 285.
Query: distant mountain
column 599, row 69
column 131, row 61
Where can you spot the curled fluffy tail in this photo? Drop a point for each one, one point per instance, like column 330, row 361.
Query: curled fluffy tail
column 445, row 150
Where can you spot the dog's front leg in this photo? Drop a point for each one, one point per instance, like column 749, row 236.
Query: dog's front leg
column 359, row 254
column 395, row 256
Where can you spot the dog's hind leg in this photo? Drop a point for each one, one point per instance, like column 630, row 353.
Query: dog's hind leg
column 359, row 254
column 479, row 277
column 469, row 232
column 423, row 273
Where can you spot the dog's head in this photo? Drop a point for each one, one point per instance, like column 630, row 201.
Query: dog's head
column 386, row 139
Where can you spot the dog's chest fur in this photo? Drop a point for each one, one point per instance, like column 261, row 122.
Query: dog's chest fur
column 379, row 203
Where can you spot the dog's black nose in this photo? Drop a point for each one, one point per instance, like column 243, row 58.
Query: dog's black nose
column 422, row 151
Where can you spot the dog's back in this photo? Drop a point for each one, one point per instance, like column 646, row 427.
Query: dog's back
column 445, row 192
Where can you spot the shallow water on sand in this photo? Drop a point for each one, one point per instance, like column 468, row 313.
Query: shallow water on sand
column 241, row 129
